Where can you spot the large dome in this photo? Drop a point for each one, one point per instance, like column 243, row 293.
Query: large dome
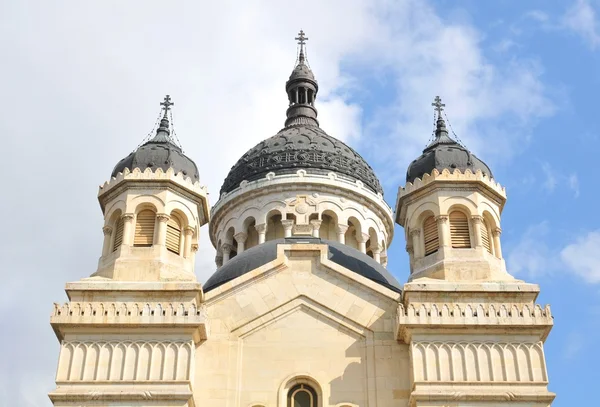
column 159, row 152
column 339, row 253
column 297, row 147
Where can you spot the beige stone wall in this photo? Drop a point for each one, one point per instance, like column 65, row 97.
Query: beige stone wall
column 302, row 317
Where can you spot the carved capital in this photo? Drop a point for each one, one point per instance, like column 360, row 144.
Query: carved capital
column 376, row 250
column 107, row 230
column 241, row 237
column 342, row 229
column 163, row 217
column 194, row 247
column 442, row 218
column 262, row 228
column 287, row 224
column 226, row 248
column 362, row 237
column 415, row 233
column 219, row 260
column 127, row 217
column 496, row 232
column 477, row 219
column 316, row 224
column 409, row 250
column 188, row 231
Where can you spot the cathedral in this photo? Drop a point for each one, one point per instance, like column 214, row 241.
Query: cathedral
column 301, row 310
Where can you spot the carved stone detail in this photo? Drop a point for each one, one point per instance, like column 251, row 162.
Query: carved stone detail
column 107, row 230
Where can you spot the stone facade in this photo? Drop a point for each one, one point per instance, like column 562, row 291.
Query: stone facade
column 301, row 311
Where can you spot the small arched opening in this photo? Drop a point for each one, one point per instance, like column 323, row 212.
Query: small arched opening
column 145, row 222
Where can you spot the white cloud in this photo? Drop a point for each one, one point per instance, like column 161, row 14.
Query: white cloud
column 530, row 256
column 86, row 80
column 581, row 19
column 550, row 177
column 573, row 182
column 582, row 257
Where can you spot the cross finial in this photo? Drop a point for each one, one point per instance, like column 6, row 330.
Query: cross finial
column 439, row 106
column 167, row 104
column 301, row 38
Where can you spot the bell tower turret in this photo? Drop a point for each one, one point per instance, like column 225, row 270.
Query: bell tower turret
column 450, row 209
column 153, row 209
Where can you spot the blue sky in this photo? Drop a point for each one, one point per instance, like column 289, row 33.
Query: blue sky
column 82, row 83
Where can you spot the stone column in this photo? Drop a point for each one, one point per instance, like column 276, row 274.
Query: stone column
column 316, row 225
column 194, row 249
column 219, row 260
column 362, row 238
column 443, row 230
column 416, row 243
column 240, row 238
column 477, row 220
column 341, row 231
column 262, row 232
column 377, row 254
column 161, row 232
column 497, row 248
column 127, row 228
column 188, row 232
column 287, row 227
column 226, row 249
column 107, row 230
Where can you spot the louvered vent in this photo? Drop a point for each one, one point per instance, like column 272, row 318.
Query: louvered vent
column 430, row 232
column 144, row 228
column 173, row 235
column 459, row 230
column 485, row 236
column 118, row 234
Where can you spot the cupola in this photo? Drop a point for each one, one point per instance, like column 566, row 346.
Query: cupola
column 153, row 208
column 301, row 182
column 450, row 209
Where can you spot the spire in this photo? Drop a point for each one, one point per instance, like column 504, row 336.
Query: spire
column 441, row 132
column 301, row 41
column 302, row 90
column 163, row 133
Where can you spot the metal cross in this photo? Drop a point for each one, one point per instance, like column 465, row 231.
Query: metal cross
column 167, row 103
column 439, row 106
column 301, row 38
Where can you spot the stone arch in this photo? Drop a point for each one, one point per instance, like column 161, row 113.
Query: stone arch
column 372, row 243
column 231, row 240
column 299, row 379
column 354, row 233
column 417, row 216
column 141, row 202
column 329, row 222
column 183, row 210
column 274, row 225
column 467, row 205
column 109, row 213
column 248, row 226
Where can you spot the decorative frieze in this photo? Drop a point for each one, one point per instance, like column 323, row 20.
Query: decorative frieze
column 125, row 361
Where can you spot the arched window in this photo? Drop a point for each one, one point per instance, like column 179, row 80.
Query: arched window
column 173, row 234
column 144, row 228
column 459, row 230
column 302, row 395
column 430, row 234
column 118, row 239
column 485, row 236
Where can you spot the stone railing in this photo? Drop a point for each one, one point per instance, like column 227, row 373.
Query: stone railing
column 129, row 314
column 455, row 315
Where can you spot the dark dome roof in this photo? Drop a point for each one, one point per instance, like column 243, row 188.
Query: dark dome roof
column 159, row 152
column 297, row 147
column 339, row 253
column 444, row 153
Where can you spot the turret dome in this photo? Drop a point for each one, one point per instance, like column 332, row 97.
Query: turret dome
column 444, row 153
column 161, row 151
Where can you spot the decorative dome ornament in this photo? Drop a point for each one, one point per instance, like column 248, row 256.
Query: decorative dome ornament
column 301, row 144
column 444, row 153
column 161, row 151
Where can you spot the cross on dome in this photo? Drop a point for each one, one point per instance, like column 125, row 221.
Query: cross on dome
column 439, row 106
column 167, row 104
column 301, row 38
